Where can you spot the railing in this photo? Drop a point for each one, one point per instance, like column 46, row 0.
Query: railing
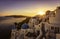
column 56, row 27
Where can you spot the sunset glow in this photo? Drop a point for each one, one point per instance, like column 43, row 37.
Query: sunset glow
column 27, row 8
column 41, row 13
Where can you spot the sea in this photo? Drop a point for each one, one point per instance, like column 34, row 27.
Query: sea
column 6, row 25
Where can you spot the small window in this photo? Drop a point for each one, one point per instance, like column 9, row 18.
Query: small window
column 57, row 29
column 52, row 28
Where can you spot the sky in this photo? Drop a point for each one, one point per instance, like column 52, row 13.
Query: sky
column 26, row 7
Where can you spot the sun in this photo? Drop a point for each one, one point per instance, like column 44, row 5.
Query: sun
column 41, row 13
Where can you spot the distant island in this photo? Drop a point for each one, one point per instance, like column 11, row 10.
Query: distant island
column 12, row 16
column 16, row 16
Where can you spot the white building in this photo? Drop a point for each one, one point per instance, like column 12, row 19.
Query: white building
column 55, row 22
